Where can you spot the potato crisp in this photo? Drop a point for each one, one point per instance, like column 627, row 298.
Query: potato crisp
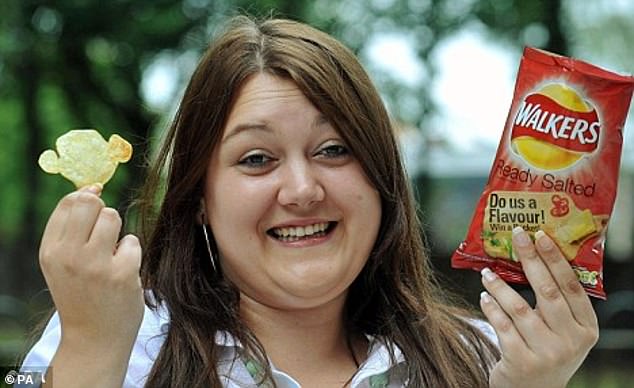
column 84, row 157
column 556, row 168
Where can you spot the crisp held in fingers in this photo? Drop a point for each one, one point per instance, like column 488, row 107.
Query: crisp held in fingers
column 85, row 158
column 556, row 168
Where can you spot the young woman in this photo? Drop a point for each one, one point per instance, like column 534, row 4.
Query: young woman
column 286, row 251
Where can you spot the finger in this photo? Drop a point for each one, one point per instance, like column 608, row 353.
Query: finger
column 86, row 206
column 55, row 225
column 511, row 342
column 528, row 323
column 57, row 221
column 553, row 306
column 128, row 253
column 106, row 231
column 577, row 299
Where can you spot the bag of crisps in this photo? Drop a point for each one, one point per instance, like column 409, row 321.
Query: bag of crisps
column 556, row 168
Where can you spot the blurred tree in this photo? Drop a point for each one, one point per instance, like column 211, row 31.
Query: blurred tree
column 76, row 64
column 537, row 23
column 72, row 64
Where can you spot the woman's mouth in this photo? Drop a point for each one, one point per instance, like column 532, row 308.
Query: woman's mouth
column 297, row 233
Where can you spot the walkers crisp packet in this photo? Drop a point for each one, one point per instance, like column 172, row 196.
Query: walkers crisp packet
column 556, row 168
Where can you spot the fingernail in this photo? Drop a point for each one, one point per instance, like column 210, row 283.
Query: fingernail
column 520, row 237
column 543, row 240
column 488, row 275
column 94, row 188
column 485, row 297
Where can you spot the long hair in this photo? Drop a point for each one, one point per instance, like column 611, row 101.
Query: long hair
column 395, row 297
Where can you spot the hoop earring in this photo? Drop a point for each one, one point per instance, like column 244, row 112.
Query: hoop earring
column 211, row 255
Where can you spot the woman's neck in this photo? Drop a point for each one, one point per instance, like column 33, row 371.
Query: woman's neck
column 309, row 344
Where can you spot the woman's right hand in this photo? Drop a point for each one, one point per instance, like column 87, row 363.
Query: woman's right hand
column 93, row 279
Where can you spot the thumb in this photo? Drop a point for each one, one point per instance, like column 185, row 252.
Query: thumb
column 95, row 188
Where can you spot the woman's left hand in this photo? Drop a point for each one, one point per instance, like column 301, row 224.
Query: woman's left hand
column 544, row 346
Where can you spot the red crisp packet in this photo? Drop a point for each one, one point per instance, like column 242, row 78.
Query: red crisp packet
column 556, row 168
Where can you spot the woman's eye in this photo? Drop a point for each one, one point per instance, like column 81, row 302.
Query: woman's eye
column 255, row 160
column 334, row 151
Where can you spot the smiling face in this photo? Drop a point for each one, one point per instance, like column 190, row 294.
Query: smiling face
column 293, row 214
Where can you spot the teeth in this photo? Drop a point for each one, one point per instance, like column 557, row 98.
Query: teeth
column 301, row 231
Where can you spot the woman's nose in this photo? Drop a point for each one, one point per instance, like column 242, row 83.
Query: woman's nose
column 300, row 186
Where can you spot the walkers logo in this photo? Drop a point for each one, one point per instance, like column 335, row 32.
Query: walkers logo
column 555, row 127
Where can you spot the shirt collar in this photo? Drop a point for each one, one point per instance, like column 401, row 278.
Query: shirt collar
column 378, row 352
column 377, row 362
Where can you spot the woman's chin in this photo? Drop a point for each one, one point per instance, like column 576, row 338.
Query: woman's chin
column 308, row 292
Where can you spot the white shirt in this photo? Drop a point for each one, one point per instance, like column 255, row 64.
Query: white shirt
column 233, row 372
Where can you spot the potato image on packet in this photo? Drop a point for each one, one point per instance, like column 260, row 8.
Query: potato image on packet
column 84, row 157
column 554, row 213
column 556, row 168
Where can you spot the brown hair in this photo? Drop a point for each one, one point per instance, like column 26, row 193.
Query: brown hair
column 395, row 297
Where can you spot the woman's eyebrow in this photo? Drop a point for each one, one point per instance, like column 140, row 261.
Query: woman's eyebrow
column 239, row 128
column 319, row 121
